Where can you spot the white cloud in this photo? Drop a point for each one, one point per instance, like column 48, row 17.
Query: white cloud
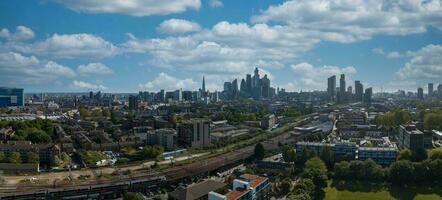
column 16, row 68
column 353, row 20
column 132, row 7
column 215, row 3
column 167, row 82
column 178, row 26
column 424, row 66
column 82, row 85
column 94, row 68
column 315, row 78
column 21, row 33
column 391, row 54
column 66, row 46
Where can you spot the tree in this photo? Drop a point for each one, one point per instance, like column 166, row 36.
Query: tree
column 38, row 136
column 65, row 157
column 302, row 196
column 286, row 184
column 316, row 170
column 259, row 151
column 14, row 157
column 32, row 157
column 436, row 153
column 150, row 152
column 435, row 167
column 56, row 161
column 2, row 157
column 326, row 155
column 401, row 171
column 289, row 154
column 132, row 196
column 304, row 156
column 419, row 155
column 404, row 154
column 304, row 186
column 342, row 170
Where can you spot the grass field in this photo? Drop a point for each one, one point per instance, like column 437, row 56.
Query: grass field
column 367, row 191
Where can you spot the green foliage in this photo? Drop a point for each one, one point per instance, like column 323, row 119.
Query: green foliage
column 149, row 152
column 359, row 170
column 304, row 186
column 289, row 154
column 401, row 171
column 65, row 157
column 405, row 154
column 56, row 161
column 394, row 118
column 32, row 157
column 316, row 170
column 259, row 151
column 433, row 120
column 419, row 155
column 91, row 157
column 2, row 157
column 326, row 156
column 37, row 131
column 285, row 186
column 132, row 196
column 14, row 157
column 301, row 196
column 37, row 136
column 436, row 153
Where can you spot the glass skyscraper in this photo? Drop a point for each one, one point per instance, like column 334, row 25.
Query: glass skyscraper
column 11, row 97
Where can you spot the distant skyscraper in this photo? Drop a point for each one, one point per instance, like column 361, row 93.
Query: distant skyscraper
column 243, row 86
column 359, row 91
column 331, row 88
column 235, row 88
column 249, row 83
column 368, row 96
column 439, row 90
column 342, row 89
column 265, row 82
column 430, row 89
column 204, row 86
column 420, row 93
column 11, row 97
column 91, row 95
column 133, row 102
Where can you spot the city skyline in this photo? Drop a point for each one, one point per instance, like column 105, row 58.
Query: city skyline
column 145, row 47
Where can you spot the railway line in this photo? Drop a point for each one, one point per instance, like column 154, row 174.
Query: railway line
column 115, row 188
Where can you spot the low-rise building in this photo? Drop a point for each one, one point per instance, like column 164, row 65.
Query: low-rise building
column 247, row 186
column 410, row 137
column 268, row 121
column 381, row 155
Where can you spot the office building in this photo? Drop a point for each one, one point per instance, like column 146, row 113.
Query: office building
column 165, row 137
column 265, row 84
column 194, row 133
column 342, row 93
column 11, row 97
column 439, row 90
column 381, row 155
column 359, row 91
column 430, row 89
column 368, row 96
column 235, row 91
column 331, row 88
column 420, row 93
column 243, row 86
column 249, row 83
column 133, row 102
column 409, row 137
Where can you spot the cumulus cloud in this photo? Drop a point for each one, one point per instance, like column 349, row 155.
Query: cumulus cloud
column 132, row 7
column 94, row 68
column 178, row 26
column 424, row 66
column 82, row 85
column 19, row 69
column 21, row 33
column 314, row 78
column 66, row 46
column 215, row 3
column 167, row 82
column 391, row 54
column 353, row 20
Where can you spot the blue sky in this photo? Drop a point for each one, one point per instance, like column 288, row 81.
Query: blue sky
column 132, row 45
